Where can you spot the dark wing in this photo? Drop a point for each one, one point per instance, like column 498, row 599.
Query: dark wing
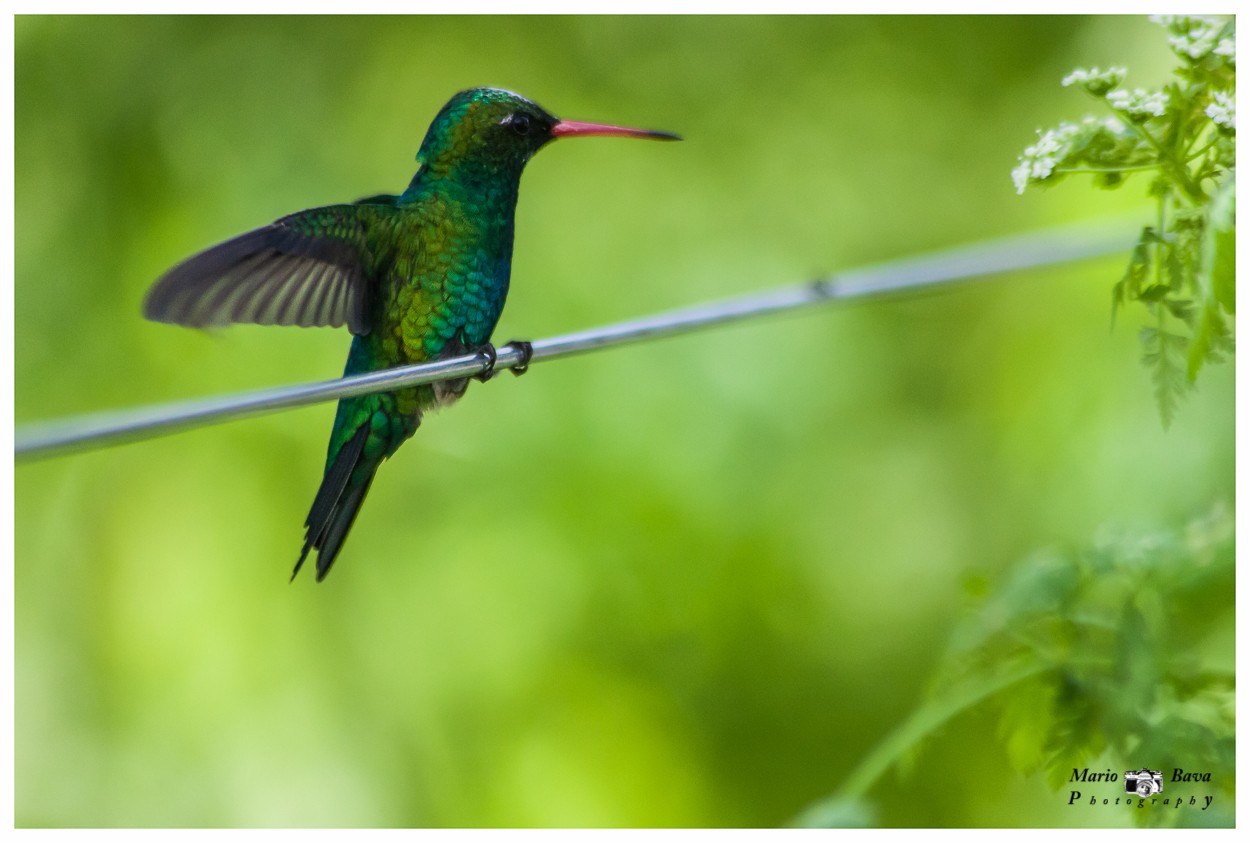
column 389, row 199
column 306, row 269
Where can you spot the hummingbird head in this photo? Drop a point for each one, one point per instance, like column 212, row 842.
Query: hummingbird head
column 495, row 130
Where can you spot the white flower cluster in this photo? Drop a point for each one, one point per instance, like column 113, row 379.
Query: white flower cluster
column 1197, row 37
column 1139, row 104
column 1095, row 81
column 1039, row 160
column 1223, row 112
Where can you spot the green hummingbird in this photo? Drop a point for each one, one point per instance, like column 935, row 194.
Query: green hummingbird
column 415, row 277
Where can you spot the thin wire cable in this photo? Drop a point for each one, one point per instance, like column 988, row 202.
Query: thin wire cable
column 1040, row 249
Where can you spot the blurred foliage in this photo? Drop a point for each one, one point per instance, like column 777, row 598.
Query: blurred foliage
column 1114, row 637
column 1099, row 657
column 1182, row 268
column 693, row 582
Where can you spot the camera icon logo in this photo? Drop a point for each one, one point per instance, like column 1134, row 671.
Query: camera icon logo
column 1143, row 782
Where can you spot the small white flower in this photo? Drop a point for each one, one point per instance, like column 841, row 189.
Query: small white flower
column 1096, row 81
column 1139, row 103
column 1039, row 160
column 1195, row 37
column 1223, row 112
column 1078, row 75
column 1020, row 175
column 1156, row 104
column 1226, row 47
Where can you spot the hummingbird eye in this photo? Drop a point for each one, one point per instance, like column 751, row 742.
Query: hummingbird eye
column 520, row 123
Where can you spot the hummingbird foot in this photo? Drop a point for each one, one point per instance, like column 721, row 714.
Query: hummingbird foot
column 527, row 351
column 487, row 350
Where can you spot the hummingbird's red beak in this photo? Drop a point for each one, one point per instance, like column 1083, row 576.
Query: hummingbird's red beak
column 571, row 128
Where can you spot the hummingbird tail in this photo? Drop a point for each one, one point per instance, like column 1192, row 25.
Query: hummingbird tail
column 336, row 504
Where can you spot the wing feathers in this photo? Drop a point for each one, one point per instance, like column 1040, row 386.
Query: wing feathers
column 306, row 269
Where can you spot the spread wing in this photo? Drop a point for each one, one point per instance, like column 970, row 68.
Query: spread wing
column 305, row 269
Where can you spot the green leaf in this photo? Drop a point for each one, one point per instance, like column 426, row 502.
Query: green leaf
column 1136, row 666
column 1181, row 309
column 1215, row 279
column 1211, row 340
column 1129, row 286
column 1026, row 723
column 1219, row 249
column 1174, row 266
column 1163, row 352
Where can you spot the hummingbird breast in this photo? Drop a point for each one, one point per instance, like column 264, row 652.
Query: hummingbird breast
column 446, row 285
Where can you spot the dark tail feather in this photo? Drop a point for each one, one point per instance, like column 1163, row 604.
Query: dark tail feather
column 344, row 516
column 335, row 506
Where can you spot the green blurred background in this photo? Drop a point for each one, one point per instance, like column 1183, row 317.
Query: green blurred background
column 691, row 582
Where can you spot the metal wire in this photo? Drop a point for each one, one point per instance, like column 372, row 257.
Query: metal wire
column 1028, row 251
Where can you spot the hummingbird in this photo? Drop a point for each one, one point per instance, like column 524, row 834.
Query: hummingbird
column 415, row 277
